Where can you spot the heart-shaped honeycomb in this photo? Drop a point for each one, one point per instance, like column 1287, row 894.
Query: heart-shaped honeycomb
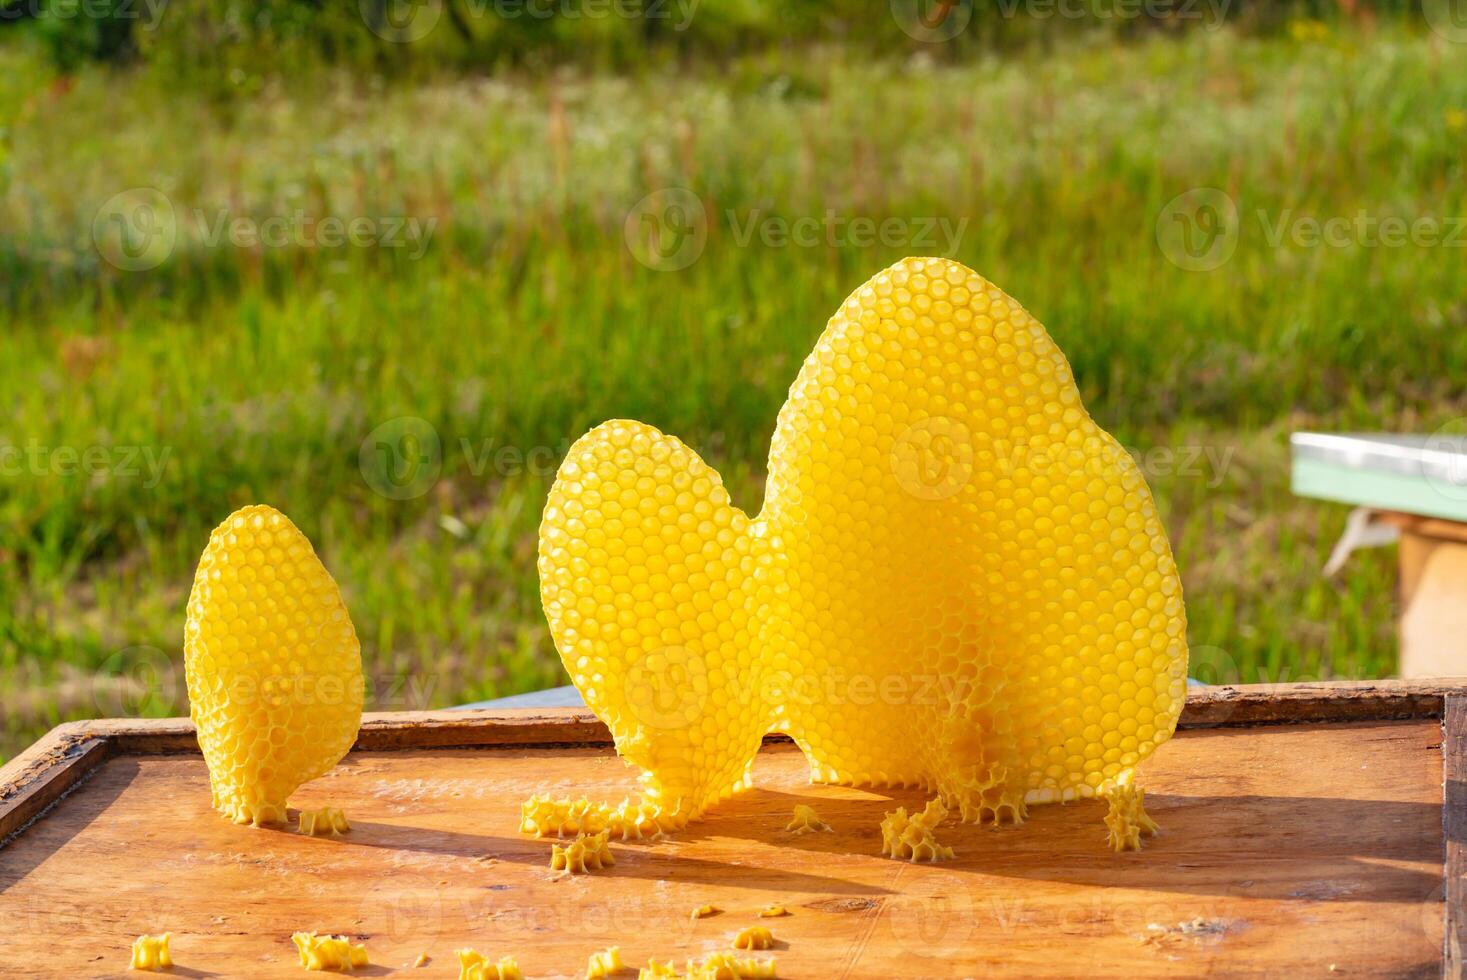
column 958, row 580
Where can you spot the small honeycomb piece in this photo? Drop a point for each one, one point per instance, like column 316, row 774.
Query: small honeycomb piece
column 704, row 911
column 273, row 664
column 151, row 953
column 727, row 966
column 325, row 822
column 943, row 524
column 754, row 937
column 329, row 952
column 805, row 820
column 912, row 837
column 545, row 816
column 604, row 964
column 716, row 966
column 1126, row 818
column 773, row 912
column 473, row 965
column 588, row 852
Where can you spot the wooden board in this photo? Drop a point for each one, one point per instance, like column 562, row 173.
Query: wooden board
column 1286, row 849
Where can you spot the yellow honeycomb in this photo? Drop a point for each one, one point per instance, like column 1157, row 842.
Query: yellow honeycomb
column 325, row 822
column 604, row 964
column 1126, row 817
column 588, row 852
column 805, row 820
column 958, row 581
column 151, row 953
column 473, row 965
column 912, row 837
column 273, row 664
column 329, row 952
column 754, row 937
column 773, row 912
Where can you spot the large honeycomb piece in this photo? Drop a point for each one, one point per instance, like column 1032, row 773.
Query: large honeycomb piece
column 958, row 581
column 273, row 664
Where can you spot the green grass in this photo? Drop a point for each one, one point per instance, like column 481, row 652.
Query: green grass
column 261, row 371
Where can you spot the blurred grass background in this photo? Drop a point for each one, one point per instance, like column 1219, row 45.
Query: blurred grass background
column 255, row 374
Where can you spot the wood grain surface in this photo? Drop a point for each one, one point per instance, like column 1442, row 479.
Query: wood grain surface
column 1285, row 851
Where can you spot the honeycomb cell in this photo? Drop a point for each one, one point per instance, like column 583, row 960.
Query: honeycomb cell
column 273, row 665
column 957, row 581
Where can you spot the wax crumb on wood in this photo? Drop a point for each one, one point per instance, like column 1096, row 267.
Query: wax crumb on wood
column 329, row 952
column 1197, row 929
column 911, row 837
column 716, row 966
column 423, row 960
column 151, row 953
column 704, row 911
column 754, row 937
column 805, row 820
column 773, row 912
column 325, row 822
column 586, row 853
column 604, row 964
column 547, row 816
column 473, row 965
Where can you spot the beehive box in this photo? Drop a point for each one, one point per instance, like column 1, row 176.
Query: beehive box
column 1306, row 830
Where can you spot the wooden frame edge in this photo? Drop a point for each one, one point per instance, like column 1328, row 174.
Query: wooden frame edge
column 1454, row 835
column 43, row 774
